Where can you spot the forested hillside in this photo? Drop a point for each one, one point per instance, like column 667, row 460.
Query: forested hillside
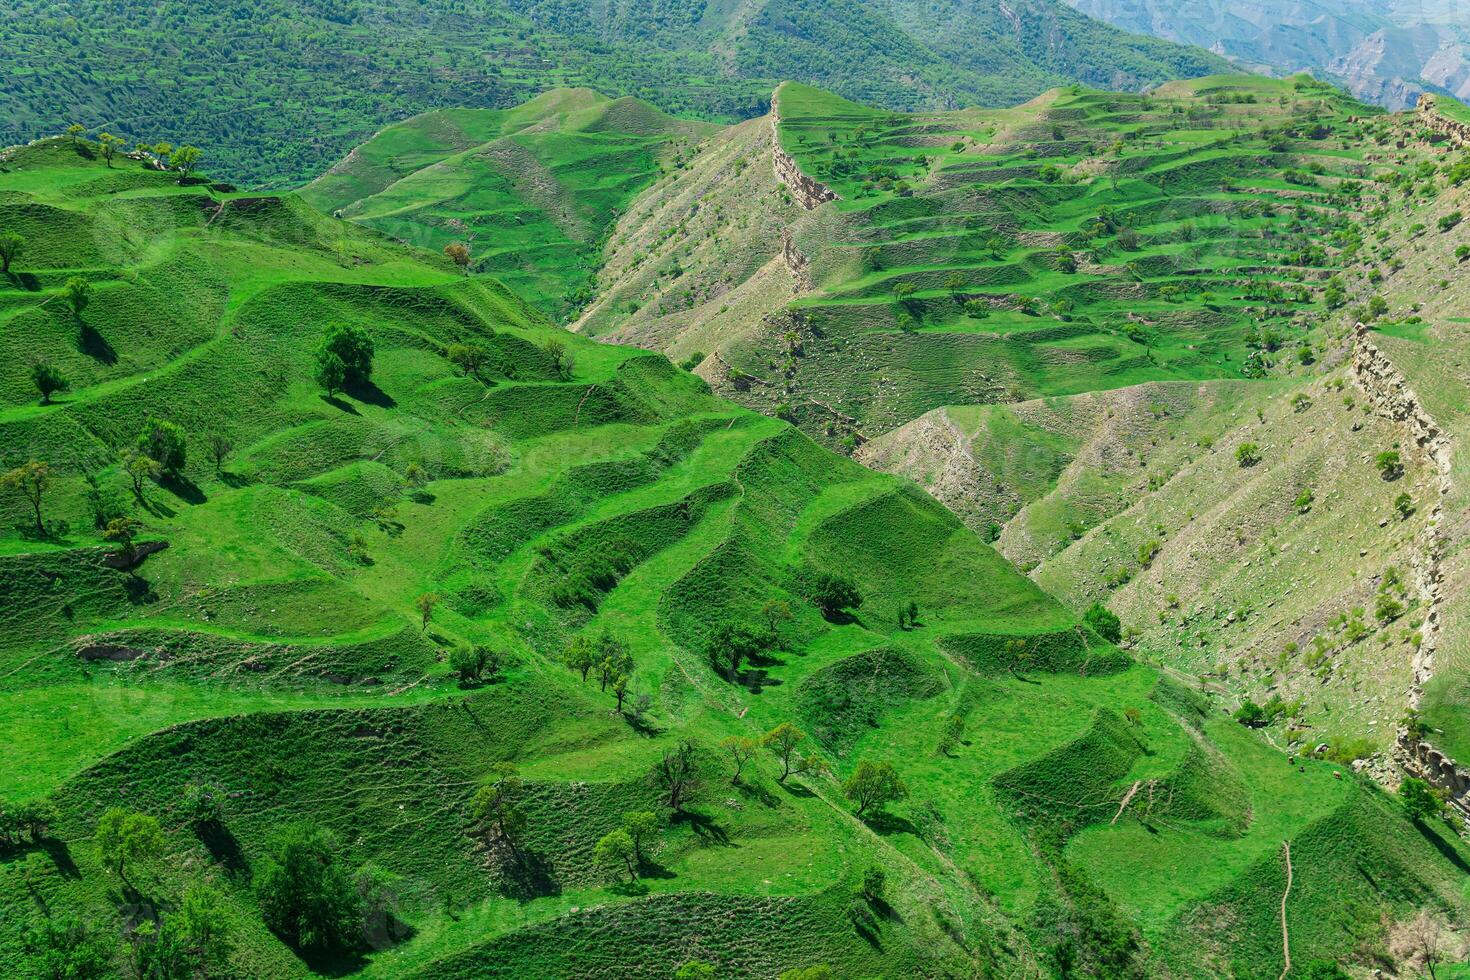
column 278, row 90
column 358, row 620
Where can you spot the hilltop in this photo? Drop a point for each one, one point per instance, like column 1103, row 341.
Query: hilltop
column 277, row 93
column 288, row 635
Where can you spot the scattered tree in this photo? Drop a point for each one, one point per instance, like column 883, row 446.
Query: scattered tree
column 563, row 362
column 469, row 358
column 75, row 131
column 109, row 145
column 908, row 615
column 48, row 379
column 474, row 662
column 206, row 925
column 1419, row 799
column 1104, row 622
column 351, row 346
column 204, row 804
column 459, row 254
column 1390, row 465
column 31, row 480
column 873, row 785
column 139, row 468
column 1247, row 454
column 730, row 646
column 220, row 448
column 126, row 835
column 184, row 160
column 617, row 853
column 832, row 594
column 741, row 750
column 675, row 773
column 11, row 245
column 496, row 806
column 874, row 881
column 165, row 443
column 1404, row 504
column 77, row 293
column 775, row 613
column 783, row 741
column 425, row 604
column 63, row 947
column 1251, row 715
column 306, row 893
column 121, row 531
column 641, row 827
column 581, row 656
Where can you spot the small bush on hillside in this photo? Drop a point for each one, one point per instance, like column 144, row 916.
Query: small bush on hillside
column 1104, row 622
column 1247, row 454
column 1404, row 505
column 1389, row 464
column 1419, row 799
column 1450, row 220
column 833, row 594
column 474, row 662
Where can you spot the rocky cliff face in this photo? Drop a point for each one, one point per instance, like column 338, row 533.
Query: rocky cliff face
column 1391, row 397
column 807, row 192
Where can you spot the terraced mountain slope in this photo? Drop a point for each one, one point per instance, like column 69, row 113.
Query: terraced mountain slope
column 275, row 644
column 278, row 91
column 529, row 191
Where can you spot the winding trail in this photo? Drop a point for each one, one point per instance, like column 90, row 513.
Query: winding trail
column 1285, row 935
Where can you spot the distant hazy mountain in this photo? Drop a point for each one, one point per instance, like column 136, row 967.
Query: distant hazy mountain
column 1386, row 51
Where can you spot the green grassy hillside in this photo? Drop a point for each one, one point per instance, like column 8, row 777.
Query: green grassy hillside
column 283, row 630
column 530, row 191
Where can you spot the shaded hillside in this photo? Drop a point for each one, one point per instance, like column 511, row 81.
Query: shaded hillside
column 297, row 654
column 278, row 90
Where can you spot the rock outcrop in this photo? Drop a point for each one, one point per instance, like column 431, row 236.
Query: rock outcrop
column 796, row 262
column 805, row 191
column 1429, row 114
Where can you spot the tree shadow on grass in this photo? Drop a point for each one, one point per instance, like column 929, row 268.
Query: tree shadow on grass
column 94, row 345
column 704, row 827
column 224, row 848
column 24, row 280
column 338, row 963
column 1445, row 848
column 233, row 480
column 182, row 487
column 370, row 394
column 885, row 824
column 757, row 792
column 528, row 875
column 139, row 591
column 652, row 869
column 757, row 680
column 796, row 789
column 60, row 856
column 338, row 403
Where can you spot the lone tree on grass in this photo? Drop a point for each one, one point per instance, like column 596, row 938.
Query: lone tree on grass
column 140, row 468
column 165, row 443
column 732, row 644
column 185, row 159
column 425, row 604
column 874, row 785
column 675, row 773
column 469, row 358
column 496, row 807
column 1104, row 622
column 618, row 854
column 11, row 245
column 109, row 145
column 741, row 750
column 459, row 254
column 474, row 662
column 351, row 348
column 834, row 595
column 641, row 826
column 126, row 835
column 31, row 480
column 563, row 362
column 122, row 531
column 783, row 741
column 48, row 379
column 307, row 895
column 220, row 448
column 581, row 656
column 1419, row 799
column 77, row 293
